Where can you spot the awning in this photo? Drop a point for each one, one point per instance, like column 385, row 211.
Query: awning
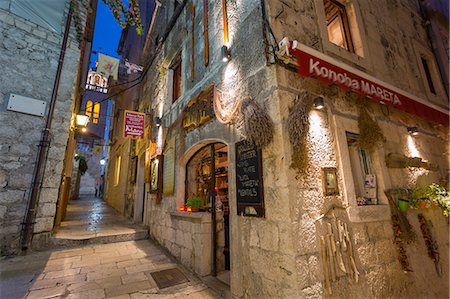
column 328, row 70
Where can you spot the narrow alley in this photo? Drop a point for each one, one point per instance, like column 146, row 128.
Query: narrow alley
column 128, row 266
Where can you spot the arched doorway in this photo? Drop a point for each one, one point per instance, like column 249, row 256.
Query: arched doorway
column 207, row 179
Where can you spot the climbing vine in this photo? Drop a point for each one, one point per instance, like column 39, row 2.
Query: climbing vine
column 126, row 16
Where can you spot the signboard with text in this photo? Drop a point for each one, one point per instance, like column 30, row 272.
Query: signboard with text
column 134, row 124
column 249, row 181
column 325, row 69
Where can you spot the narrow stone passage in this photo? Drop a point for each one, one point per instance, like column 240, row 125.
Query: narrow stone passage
column 89, row 220
column 118, row 270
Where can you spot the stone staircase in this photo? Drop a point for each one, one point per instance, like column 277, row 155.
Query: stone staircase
column 89, row 220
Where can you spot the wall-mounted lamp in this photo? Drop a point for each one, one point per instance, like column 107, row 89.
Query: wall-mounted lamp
column 413, row 131
column 158, row 121
column 318, row 103
column 226, row 55
column 82, row 120
column 102, row 162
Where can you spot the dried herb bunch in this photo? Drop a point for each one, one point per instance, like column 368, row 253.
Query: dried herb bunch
column 298, row 126
column 257, row 125
column 369, row 131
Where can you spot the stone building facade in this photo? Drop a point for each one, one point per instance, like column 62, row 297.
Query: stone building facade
column 29, row 53
column 330, row 222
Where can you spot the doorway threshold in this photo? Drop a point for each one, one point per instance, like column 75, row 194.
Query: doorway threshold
column 221, row 288
column 224, row 277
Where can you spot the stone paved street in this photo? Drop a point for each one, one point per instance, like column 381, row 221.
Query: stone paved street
column 117, row 270
column 90, row 220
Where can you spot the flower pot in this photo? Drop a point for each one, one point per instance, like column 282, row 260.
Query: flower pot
column 422, row 204
column 403, row 205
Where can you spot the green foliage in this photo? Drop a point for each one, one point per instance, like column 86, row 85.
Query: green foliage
column 82, row 166
column 126, row 16
column 440, row 195
column 432, row 194
column 194, row 202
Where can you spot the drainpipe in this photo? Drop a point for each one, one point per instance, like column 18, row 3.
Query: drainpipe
column 44, row 145
column 433, row 36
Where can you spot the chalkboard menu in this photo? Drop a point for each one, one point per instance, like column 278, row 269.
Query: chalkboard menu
column 249, row 182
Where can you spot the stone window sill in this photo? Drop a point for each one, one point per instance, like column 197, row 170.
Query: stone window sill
column 369, row 213
column 195, row 216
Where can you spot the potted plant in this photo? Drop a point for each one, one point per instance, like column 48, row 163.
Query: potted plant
column 440, row 196
column 194, row 203
column 402, row 200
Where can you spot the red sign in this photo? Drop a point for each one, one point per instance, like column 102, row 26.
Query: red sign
column 311, row 66
column 134, row 124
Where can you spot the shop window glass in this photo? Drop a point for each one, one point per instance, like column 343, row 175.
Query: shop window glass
column 96, row 114
column 198, row 175
column 89, row 106
column 363, row 175
column 338, row 24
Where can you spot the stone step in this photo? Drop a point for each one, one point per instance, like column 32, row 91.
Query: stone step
column 58, row 241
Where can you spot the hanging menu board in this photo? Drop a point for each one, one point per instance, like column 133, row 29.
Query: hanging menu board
column 249, row 181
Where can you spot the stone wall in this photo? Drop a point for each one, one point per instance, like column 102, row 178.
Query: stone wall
column 279, row 256
column 29, row 56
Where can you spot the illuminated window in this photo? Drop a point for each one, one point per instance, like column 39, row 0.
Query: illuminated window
column 176, row 88
column 117, row 170
column 338, row 24
column 89, row 106
column 96, row 113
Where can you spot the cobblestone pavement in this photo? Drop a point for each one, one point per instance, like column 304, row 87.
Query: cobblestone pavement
column 90, row 219
column 116, row 270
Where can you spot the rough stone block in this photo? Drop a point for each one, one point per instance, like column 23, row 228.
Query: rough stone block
column 11, row 196
column 269, row 236
column 46, row 210
column 2, row 212
column 43, row 225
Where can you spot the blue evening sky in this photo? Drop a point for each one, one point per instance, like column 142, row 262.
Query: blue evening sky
column 106, row 33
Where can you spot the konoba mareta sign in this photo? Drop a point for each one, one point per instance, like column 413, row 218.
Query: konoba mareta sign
column 312, row 63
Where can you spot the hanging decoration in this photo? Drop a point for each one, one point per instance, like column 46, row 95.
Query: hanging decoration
column 298, row 127
column 403, row 232
column 337, row 250
column 369, row 131
column 223, row 115
column 432, row 247
column 126, row 16
column 257, row 125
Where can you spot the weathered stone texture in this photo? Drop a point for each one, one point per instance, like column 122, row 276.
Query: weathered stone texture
column 29, row 56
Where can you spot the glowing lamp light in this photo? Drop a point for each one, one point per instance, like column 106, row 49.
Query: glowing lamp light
column 102, row 162
column 189, row 209
column 226, row 55
column 82, row 120
column 413, row 131
column 318, row 103
column 83, row 129
column 158, row 121
column 182, row 208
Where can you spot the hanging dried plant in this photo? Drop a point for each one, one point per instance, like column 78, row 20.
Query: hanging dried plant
column 257, row 125
column 298, row 126
column 369, row 131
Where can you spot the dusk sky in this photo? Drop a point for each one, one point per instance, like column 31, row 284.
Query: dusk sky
column 106, row 33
